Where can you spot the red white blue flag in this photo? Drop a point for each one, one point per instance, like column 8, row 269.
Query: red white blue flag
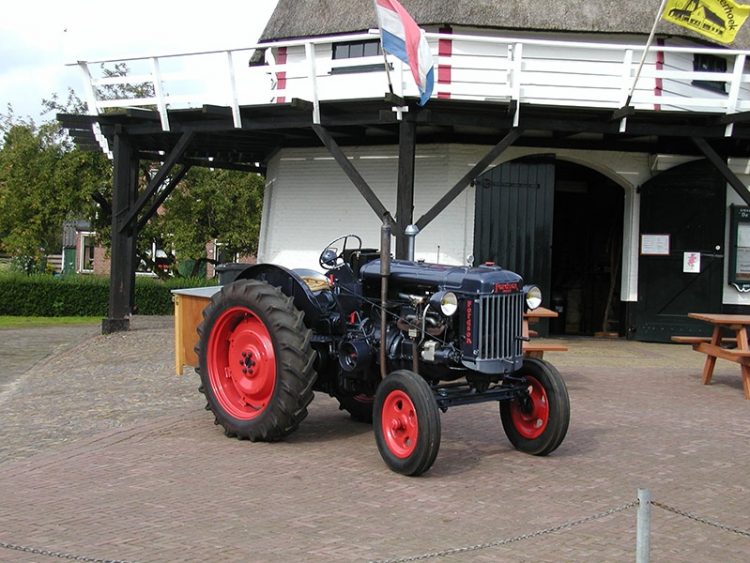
column 402, row 37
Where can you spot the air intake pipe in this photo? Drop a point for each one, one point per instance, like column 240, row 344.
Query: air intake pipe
column 385, row 272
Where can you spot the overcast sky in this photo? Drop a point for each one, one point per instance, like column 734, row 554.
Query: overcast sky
column 39, row 37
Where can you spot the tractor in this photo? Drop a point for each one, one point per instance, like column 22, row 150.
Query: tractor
column 394, row 341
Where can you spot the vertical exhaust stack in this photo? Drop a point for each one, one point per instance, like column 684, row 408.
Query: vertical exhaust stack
column 385, row 272
column 411, row 232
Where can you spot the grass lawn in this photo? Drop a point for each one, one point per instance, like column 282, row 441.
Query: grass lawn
column 23, row 322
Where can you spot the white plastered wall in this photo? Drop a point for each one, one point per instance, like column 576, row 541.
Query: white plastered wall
column 309, row 201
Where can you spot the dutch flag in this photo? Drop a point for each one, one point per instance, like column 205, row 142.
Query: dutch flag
column 402, row 37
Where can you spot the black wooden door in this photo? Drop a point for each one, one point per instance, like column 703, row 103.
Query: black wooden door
column 687, row 204
column 513, row 219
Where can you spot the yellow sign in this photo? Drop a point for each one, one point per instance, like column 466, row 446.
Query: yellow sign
column 719, row 20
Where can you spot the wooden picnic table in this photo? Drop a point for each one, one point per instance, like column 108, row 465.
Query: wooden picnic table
column 537, row 349
column 712, row 346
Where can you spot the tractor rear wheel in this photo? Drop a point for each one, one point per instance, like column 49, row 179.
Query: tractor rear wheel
column 358, row 406
column 255, row 361
column 537, row 422
column 406, row 421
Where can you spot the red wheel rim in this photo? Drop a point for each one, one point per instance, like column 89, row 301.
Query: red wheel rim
column 399, row 424
column 531, row 415
column 241, row 363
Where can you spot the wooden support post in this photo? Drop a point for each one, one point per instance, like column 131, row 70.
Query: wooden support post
column 122, row 272
column 407, row 137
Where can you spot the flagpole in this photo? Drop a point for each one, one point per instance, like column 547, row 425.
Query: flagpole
column 385, row 58
column 645, row 52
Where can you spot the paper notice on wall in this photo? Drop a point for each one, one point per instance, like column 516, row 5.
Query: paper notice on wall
column 691, row 262
column 655, row 245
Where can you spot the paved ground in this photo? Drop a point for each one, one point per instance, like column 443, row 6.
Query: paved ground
column 105, row 454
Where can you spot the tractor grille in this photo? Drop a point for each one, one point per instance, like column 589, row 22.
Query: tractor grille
column 499, row 327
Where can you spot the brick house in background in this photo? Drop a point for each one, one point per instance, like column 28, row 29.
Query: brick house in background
column 81, row 255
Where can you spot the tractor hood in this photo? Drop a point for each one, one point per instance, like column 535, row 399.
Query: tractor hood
column 420, row 276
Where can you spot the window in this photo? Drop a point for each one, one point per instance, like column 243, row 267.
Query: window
column 222, row 255
column 157, row 256
column 86, row 252
column 710, row 63
column 356, row 49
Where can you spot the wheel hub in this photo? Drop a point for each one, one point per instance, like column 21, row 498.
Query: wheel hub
column 242, row 363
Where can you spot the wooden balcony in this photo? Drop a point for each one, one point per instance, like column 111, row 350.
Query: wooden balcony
column 523, row 73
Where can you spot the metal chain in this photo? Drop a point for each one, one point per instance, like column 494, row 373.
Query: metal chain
column 58, row 554
column 505, row 541
column 700, row 519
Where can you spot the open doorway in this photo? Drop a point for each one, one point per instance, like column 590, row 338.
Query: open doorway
column 586, row 253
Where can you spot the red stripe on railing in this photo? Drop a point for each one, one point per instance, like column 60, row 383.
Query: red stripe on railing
column 281, row 76
column 658, row 83
column 445, row 49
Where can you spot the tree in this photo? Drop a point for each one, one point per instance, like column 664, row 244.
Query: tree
column 213, row 205
column 43, row 181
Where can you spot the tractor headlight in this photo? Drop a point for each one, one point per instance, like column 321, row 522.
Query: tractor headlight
column 446, row 301
column 533, row 296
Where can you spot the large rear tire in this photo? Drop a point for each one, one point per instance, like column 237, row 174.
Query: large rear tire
column 406, row 423
column 537, row 423
column 358, row 406
column 255, row 361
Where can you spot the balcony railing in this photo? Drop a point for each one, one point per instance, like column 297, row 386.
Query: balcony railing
column 527, row 71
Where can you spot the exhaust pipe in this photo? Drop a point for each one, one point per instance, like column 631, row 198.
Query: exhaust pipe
column 385, row 272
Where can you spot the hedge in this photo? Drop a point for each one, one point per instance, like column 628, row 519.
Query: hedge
column 58, row 296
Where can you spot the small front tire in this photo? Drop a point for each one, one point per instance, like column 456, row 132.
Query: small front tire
column 537, row 423
column 406, row 421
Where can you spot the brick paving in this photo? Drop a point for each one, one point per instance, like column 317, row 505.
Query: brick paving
column 104, row 453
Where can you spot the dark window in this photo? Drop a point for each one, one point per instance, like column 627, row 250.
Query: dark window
column 710, row 63
column 355, row 49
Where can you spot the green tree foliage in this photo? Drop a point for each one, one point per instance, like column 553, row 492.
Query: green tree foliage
column 210, row 205
column 43, row 181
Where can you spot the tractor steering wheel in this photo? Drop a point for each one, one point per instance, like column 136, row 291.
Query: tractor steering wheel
column 331, row 258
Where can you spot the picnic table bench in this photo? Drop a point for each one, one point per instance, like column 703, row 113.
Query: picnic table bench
column 714, row 346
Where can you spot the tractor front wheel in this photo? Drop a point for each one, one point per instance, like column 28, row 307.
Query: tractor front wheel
column 406, row 421
column 536, row 423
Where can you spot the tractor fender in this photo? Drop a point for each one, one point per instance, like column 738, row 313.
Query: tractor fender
column 312, row 304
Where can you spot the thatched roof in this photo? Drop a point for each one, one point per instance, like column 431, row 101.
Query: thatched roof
column 306, row 18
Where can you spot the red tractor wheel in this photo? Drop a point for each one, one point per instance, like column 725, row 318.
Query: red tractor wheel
column 406, row 421
column 255, row 361
column 537, row 422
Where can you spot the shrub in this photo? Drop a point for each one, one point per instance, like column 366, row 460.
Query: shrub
column 40, row 295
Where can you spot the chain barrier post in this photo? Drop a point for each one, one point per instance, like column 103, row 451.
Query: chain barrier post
column 643, row 529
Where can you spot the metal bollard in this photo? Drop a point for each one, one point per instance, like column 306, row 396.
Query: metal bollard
column 643, row 528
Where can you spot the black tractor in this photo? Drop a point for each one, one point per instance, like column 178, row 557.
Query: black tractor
column 394, row 341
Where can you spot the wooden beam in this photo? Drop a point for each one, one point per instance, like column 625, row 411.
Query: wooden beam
column 461, row 185
column 741, row 117
column 407, row 143
column 177, row 153
column 353, row 175
column 723, row 169
column 122, row 271
column 162, row 195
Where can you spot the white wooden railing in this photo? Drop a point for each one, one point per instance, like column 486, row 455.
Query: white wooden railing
column 529, row 71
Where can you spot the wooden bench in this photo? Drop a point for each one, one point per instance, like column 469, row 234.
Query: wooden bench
column 699, row 339
column 537, row 349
